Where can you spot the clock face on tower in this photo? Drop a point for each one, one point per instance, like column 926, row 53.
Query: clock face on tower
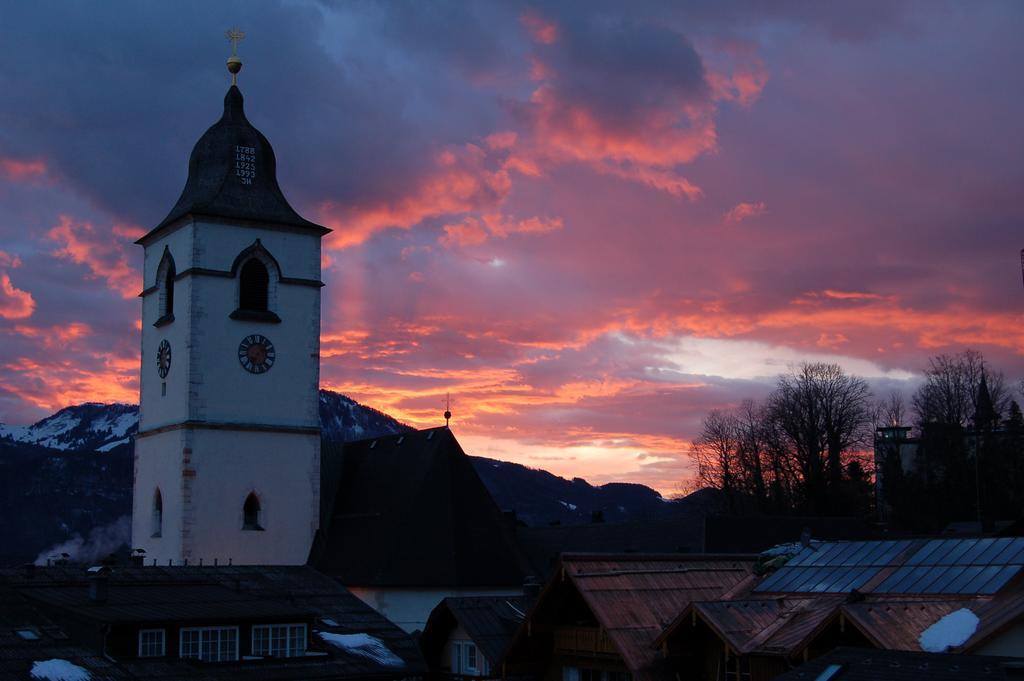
column 256, row 354
column 163, row 358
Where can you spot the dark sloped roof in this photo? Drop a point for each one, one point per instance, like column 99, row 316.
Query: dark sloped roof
column 276, row 591
column 490, row 621
column 865, row 664
column 409, row 510
column 214, row 188
column 782, row 627
column 543, row 545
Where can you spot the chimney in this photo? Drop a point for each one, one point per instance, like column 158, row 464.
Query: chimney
column 805, row 538
column 99, row 587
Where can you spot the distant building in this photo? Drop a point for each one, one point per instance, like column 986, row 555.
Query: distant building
column 228, row 448
column 599, row 616
column 407, row 522
column 469, row 636
column 892, row 445
column 231, row 623
column 707, row 617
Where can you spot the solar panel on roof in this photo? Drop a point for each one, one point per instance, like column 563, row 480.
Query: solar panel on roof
column 935, row 566
column 989, row 555
column 924, row 552
column 1004, row 575
column 956, row 552
column 971, row 557
column 941, row 585
column 984, row 576
column 969, row 573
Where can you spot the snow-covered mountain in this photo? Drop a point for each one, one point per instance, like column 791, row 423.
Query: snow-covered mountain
column 101, row 427
column 91, row 426
column 342, row 419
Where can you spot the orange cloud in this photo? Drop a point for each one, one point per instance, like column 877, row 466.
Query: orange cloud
column 542, row 31
column 15, row 170
column 743, row 211
column 466, row 233
column 464, row 179
column 105, row 258
column 14, row 303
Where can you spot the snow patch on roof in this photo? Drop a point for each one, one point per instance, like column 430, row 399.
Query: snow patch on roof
column 364, row 645
column 950, row 631
column 571, row 507
column 57, row 669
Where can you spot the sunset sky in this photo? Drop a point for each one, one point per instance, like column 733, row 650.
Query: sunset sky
column 590, row 225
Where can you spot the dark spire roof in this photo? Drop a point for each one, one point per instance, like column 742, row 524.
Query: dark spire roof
column 232, row 173
column 984, row 411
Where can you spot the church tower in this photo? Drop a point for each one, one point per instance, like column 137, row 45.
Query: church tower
column 227, row 456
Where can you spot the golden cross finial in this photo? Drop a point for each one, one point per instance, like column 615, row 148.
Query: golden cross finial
column 234, row 63
column 235, row 36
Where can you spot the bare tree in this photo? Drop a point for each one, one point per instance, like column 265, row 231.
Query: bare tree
column 891, row 411
column 950, row 392
column 824, row 413
column 715, row 452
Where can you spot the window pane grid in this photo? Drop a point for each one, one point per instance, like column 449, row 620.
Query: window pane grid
column 279, row 640
column 151, row 643
column 210, row 644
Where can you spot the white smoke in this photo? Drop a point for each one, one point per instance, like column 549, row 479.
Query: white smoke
column 102, row 541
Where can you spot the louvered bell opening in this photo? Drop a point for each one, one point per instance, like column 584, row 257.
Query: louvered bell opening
column 253, row 286
column 169, row 291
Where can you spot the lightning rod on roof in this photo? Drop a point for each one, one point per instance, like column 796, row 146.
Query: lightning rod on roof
column 447, row 408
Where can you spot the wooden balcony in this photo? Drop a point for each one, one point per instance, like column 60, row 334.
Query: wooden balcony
column 584, row 641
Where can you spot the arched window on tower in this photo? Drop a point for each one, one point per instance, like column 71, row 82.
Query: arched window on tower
column 165, row 275
column 251, row 513
column 253, row 286
column 169, row 291
column 157, row 519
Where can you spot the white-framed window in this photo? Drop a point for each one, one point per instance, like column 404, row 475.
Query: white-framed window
column 152, row 643
column 466, row 659
column 209, row 644
column 279, row 640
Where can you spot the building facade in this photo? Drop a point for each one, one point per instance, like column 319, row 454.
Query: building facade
column 228, row 449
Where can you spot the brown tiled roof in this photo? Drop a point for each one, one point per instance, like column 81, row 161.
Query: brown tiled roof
column 897, row 625
column 768, row 627
column 634, row 597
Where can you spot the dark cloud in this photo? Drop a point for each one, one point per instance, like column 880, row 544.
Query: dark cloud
column 530, row 199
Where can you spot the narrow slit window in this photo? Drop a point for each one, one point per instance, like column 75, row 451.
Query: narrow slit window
column 169, row 290
column 254, row 284
column 251, row 513
column 157, row 520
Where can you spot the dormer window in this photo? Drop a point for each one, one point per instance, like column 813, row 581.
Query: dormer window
column 257, row 275
column 251, row 513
